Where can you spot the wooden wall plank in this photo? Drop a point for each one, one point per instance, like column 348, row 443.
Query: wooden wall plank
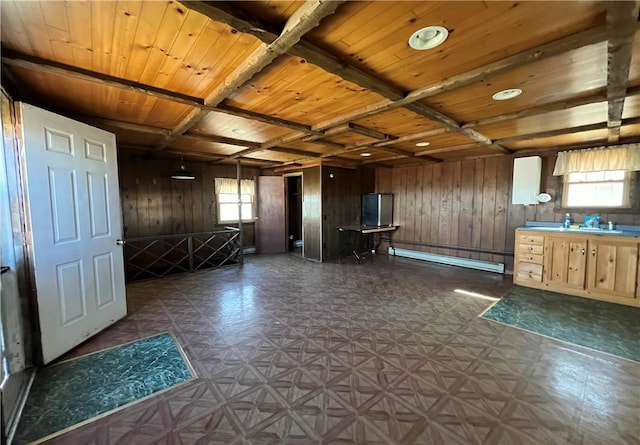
column 142, row 192
column 420, row 213
column 427, row 196
column 128, row 197
column 435, row 205
column 476, row 231
column 410, row 203
column 155, row 208
column 167, row 185
column 465, row 220
column 503, row 184
column 456, row 205
column 312, row 213
column 488, row 206
column 445, row 196
column 397, row 206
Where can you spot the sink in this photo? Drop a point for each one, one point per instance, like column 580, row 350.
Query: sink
column 578, row 230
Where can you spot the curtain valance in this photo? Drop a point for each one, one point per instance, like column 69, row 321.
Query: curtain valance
column 625, row 157
column 229, row 185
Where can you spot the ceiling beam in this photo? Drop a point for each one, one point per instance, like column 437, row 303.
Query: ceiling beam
column 294, row 151
column 231, row 16
column 412, row 137
column 448, row 149
column 312, row 54
column 541, row 52
column 551, row 133
column 221, row 140
column 563, row 131
column 304, row 19
column 622, row 19
column 129, row 126
column 13, row 58
column 272, row 120
column 46, row 66
column 600, row 96
column 373, row 134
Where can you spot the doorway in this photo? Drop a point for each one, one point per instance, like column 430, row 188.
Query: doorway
column 294, row 214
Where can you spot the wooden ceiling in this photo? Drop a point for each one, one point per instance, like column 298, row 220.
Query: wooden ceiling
column 282, row 83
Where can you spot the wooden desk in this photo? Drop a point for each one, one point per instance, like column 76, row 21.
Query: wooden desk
column 360, row 240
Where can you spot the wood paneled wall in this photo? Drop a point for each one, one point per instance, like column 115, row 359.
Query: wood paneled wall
column 341, row 202
column 312, row 213
column 467, row 205
column 331, row 198
column 154, row 204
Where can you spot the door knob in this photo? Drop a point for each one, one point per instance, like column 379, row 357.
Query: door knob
column 121, row 242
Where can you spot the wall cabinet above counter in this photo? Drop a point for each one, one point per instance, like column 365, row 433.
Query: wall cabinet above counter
column 603, row 267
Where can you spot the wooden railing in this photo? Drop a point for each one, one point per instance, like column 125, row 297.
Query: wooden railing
column 158, row 256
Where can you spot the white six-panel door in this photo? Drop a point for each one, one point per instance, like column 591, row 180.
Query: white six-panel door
column 74, row 213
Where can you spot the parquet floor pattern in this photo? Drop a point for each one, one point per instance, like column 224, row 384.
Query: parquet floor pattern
column 385, row 352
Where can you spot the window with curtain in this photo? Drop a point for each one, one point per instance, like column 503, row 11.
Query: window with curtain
column 598, row 177
column 227, row 199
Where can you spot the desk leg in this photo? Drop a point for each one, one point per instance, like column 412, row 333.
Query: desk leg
column 391, row 244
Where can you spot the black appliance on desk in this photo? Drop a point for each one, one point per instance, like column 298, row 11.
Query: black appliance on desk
column 377, row 210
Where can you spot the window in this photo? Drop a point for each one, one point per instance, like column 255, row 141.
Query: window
column 227, row 199
column 597, row 189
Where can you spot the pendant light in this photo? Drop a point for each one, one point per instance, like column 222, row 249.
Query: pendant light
column 183, row 173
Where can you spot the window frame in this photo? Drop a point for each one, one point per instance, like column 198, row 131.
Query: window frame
column 627, row 185
column 251, row 202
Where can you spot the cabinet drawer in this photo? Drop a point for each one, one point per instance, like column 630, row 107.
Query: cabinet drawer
column 534, row 249
column 531, row 239
column 530, row 258
column 529, row 271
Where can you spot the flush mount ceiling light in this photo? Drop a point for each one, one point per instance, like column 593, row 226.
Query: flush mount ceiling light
column 365, row 154
column 423, row 144
column 507, row 94
column 183, row 173
column 429, row 37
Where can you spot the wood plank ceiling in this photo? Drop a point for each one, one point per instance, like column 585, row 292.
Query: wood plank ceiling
column 282, row 83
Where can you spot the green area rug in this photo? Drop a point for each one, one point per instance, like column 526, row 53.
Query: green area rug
column 72, row 393
column 606, row 327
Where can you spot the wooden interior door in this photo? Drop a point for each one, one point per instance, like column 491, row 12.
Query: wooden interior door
column 74, row 216
column 270, row 220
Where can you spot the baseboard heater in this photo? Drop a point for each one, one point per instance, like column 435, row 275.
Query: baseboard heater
column 451, row 260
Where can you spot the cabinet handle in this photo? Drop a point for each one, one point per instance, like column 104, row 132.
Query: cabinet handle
column 583, row 251
column 593, row 252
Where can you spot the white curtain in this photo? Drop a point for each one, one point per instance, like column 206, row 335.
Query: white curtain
column 229, row 185
column 625, row 157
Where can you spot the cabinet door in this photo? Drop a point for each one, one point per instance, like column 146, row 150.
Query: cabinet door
column 613, row 267
column 565, row 262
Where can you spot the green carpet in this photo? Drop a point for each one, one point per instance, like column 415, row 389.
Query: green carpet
column 71, row 393
column 606, row 327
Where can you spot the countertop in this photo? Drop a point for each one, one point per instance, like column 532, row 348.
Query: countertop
column 622, row 230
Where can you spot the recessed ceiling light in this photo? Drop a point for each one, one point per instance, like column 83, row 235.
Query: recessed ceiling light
column 365, row 154
column 423, row 144
column 429, row 37
column 507, row 94
column 239, row 131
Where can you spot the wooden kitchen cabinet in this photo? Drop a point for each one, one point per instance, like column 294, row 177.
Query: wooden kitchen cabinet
column 604, row 267
column 528, row 261
column 565, row 262
column 613, row 267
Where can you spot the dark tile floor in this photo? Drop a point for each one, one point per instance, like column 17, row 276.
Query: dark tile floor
column 385, row 352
